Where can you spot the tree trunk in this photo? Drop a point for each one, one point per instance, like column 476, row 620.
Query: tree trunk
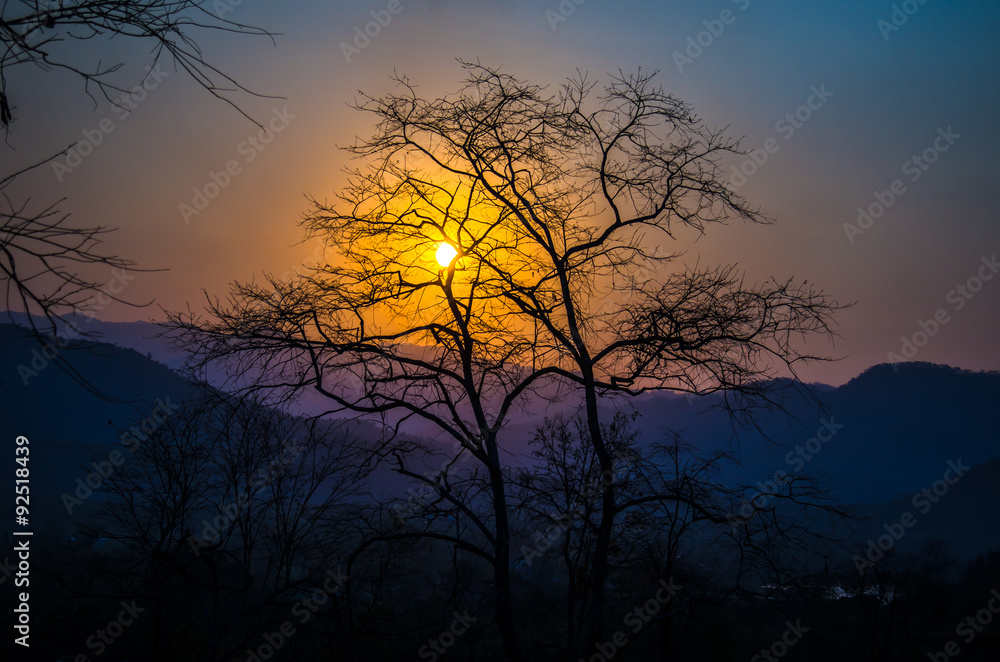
column 501, row 554
column 602, row 546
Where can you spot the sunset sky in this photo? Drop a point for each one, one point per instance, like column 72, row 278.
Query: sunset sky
column 881, row 95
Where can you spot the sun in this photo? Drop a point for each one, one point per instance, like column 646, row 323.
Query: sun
column 445, row 254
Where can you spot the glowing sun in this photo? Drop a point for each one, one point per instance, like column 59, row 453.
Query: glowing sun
column 445, row 254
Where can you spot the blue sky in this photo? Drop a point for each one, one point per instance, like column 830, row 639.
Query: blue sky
column 889, row 92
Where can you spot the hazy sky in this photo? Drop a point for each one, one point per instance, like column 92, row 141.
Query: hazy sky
column 884, row 86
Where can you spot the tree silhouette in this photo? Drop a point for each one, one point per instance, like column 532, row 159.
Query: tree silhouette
column 41, row 251
column 40, row 257
column 674, row 503
column 31, row 33
column 556, row 206
column 219, row 516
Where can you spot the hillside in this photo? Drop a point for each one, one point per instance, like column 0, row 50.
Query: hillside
column 893, row 432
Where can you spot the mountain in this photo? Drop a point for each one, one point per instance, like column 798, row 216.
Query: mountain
column 143, row 337
column 966, row 515
column 44, row 400
column 880, row 437
column 39, row 393
column 889, row 430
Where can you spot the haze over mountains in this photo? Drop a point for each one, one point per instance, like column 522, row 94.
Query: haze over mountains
column 881, row 438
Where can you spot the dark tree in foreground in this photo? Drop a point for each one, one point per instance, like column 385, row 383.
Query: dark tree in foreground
column 44, row 257
column 40, row 257
column 503, row 240
column 221, row 519
column 34, row 32
column 676, row 514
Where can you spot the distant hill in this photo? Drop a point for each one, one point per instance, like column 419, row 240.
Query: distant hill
column 39, row 393
column 967, row 516
column 68, row 420
column 65, row 421
column 895, row 427
column 899, row 428
column 143, row 337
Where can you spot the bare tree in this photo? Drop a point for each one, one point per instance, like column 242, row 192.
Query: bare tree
column 224, row 514
column 40, row 257
column 43, row 255
column 547, row 212
column 32, row 33
column 674, row 503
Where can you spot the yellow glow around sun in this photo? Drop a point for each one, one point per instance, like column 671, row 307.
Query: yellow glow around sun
column 445, row 254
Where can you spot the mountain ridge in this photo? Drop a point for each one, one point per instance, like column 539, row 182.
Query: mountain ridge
column 889, row 430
